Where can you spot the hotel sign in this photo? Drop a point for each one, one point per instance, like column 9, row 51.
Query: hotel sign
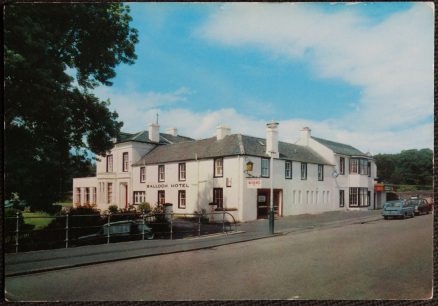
column 254, row 183
column 167, row 186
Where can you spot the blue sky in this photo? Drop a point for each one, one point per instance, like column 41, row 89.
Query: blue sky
column 352, row 73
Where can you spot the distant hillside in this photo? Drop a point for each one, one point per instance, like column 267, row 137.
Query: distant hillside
column 410, row 167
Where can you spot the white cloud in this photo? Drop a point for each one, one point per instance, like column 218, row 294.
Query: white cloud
column 391, row 61
column 134, row 107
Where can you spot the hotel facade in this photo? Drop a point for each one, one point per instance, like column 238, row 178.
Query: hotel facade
column 233, row 173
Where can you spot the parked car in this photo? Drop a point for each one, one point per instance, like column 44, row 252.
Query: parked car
column 421, row 206
column 118, row 231
column 398, row 208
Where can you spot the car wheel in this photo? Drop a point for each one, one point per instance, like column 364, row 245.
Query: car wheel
column 151, row 236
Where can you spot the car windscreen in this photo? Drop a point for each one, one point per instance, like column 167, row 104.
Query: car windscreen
column 393, row 204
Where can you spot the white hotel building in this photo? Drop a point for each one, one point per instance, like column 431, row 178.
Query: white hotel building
column 311, row 176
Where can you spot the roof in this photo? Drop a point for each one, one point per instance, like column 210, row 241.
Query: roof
column 230, row 145
column 143, row 136
column 340, row 148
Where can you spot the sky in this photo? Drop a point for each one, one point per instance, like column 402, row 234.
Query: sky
column 355, row 73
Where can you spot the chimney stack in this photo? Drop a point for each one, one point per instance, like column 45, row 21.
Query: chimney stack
column 272, row 139
column 305, row 136
column 172, row 131
column 222, row 131
column 154, row 132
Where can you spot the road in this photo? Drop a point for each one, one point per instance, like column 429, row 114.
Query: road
column 385, row 259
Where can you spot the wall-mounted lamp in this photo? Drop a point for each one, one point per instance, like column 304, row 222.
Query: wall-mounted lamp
column 249, row 166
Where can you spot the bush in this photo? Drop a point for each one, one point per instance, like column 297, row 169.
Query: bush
column 145, row 207
column 113, row 208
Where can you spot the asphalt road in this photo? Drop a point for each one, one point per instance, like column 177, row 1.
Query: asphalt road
column 385, row 259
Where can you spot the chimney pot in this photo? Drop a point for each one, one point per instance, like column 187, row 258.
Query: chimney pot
column 172, row 131
column 305, row 135
column 222, row 131
column 154, row 132
column 272, row 139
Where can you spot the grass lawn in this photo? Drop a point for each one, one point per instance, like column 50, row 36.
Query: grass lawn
column 39, row 219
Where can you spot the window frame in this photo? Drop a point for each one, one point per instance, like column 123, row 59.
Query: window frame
column 182, row 199
column 320, row 172
column 142, row 174
column 159, row 193
column 359, row 197
column 161, row 173
column 303, row 171
column 341, row 198
column 286, row 174
column 109, row 162
column 125, row 161
column 342, row 165
column 218, row 164
column 267, row 168
column 182, row 178
column 139, row 197
column 109, row 193
column 216, row 192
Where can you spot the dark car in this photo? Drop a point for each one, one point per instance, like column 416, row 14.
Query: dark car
column 118, row 231
column 421, row 206
column 398, row 208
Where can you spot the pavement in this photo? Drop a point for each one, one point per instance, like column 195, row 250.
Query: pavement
column 48, row 260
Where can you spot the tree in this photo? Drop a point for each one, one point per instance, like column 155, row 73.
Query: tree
column 411, row 167
column 46, row 115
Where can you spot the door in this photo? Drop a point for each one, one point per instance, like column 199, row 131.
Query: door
column 263, row 202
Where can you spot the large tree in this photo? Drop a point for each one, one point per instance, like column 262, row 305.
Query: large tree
column 411, row 167
column 55, row 54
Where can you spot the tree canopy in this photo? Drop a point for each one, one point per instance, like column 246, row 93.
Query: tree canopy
column 410, row 167
column 48, row 114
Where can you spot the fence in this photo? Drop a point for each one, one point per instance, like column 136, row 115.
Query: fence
column 68, row 230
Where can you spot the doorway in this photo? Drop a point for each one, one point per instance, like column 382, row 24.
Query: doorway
column 263, row 205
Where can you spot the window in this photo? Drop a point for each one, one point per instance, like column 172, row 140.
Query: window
column 369, row 169
column 87, row 195
column 94, row 195
column 219, row 167
column 181, row 199
column 125, row 161
column 288, row 169
column 360, row 166
column 359, row 197
column 78, row 195
column 265, row 167
column 304, row 171
column 161, row 197
column 161, row 173
column 139, row 197
column 142, row 174
column 341, row 198
column 182, row 171
column 342, row 165
column 109, row 195
column 109, row 163
column 354, row 165
column 218, row 197
column 320, row 172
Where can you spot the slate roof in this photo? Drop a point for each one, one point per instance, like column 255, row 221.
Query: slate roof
column 230, row 145
column 143, row 136
column 340, row 148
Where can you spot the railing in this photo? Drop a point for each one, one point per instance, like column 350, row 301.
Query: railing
column 69, row 230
